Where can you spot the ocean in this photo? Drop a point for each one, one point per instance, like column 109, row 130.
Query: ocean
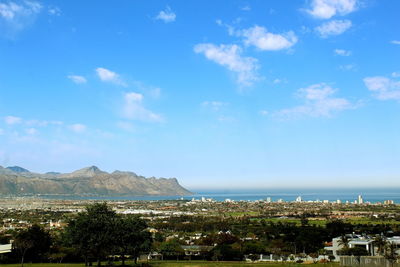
column 368, row 195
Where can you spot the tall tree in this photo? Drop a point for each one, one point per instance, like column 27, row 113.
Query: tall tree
column 380, row 243
column 34, row 242
column 132, row 237
column 93, row 231
column 391, row 252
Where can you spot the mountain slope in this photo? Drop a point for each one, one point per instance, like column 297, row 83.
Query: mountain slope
column 87, row 181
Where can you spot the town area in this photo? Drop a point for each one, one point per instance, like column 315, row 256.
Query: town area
column 198, row 230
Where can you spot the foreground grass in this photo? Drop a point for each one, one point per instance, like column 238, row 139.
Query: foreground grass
column 181, row 264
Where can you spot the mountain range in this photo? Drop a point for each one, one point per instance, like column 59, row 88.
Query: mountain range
column 89, row 181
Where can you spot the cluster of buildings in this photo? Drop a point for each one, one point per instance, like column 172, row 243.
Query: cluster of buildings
column 363, row 241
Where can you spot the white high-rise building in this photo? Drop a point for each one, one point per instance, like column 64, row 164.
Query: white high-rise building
column 299, row 199
column 360, row 199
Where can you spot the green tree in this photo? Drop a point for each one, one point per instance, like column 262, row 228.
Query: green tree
column 171, row 248
column 344, row 242
column 33, row 242
column 380, row 243
column 132, row 237
column 93, row 231
column 390, row 252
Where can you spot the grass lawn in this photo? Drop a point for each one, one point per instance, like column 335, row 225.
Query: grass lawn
column 180, row 264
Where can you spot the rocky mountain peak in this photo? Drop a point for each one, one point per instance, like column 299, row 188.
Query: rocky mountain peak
column 88, row 172
column 17, row 169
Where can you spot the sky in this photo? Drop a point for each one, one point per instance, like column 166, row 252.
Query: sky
column 219, row 94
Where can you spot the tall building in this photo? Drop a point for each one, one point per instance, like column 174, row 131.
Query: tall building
column 299, row 199
column 360, row 199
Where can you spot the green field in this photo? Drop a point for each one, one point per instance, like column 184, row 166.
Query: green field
column 180, row 264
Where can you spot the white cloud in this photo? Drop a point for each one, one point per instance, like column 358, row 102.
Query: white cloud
column 223, row 118
column 12, row 11
column 31, row 131
column 10, row 120
column 397, row 42
column 54, row 11
column 77, row 79
column 153, row 91
column 348, row 67
column 106, row 75
column 1, row 131
column 319, row 102
column 326, row 9
column 42, row 123
column 166, row 15
column 133, row 109
column 395, row 74
column 383, row 88
column 127, row 126
column 279, row 81
column 78, row 128
column 262, row 39
column 342, row 52
column 333, row 27
column 264, row 112
column 230, row 57
column 17, row 16
column 246, row 8
column 214, row 105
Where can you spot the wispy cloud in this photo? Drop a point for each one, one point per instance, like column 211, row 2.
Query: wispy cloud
column 342, row 52
column 133, row 109
column 333, row 27
column 54, row 11
column 319, row 101
column 78, row 128
column 77, row 79
column 348, row 67
column 153, row 91
column 31, row 131
column 326, row 9
column 396, row 42
column 166, row 15
column 383, row 88
column 395, row 74
column 107, row 75
column 230, row 57
column 262, row 39
column 126, row 125
column 14, row 17
column 11, row 120
column 214, row 105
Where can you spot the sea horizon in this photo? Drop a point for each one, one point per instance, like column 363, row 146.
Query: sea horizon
column 287, row 195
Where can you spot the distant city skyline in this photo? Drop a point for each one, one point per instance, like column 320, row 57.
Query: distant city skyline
column 226, row 94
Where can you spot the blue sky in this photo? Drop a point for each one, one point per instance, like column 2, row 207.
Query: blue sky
column 220, row 94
